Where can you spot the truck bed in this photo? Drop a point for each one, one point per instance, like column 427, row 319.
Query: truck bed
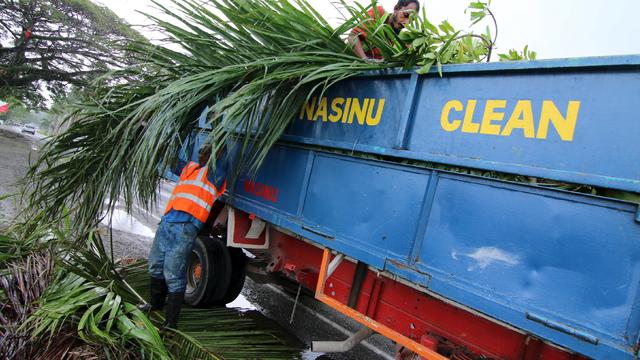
column 560, row 265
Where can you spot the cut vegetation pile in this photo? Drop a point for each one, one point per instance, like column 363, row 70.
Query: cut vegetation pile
column 61, row 301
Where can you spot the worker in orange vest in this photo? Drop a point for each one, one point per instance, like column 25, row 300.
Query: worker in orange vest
column 184, row 216
column 397, row 20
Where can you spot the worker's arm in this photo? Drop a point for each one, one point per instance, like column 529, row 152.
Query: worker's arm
column 359, row 34
column 218, row 176
column 354, row 40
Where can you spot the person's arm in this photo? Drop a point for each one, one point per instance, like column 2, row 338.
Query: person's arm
column 218, row 177
column 356, row 43
column 359, row 34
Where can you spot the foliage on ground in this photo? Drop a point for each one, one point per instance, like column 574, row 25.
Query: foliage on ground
column 64, row 302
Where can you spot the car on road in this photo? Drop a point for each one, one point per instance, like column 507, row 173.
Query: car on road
column 29, row 129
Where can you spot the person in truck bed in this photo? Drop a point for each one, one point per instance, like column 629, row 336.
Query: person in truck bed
column 186, row 213
column 397, row 20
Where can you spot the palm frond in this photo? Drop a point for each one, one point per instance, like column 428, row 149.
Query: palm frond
column 248, row 55
column 86, row 304
column 217, row 333
column 252, row 63
column 230, row 336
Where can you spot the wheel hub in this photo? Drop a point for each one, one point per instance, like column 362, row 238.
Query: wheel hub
column 194, row 272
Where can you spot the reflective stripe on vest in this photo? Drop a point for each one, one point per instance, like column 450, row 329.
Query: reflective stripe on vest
column 193, row 198
column 202, row 182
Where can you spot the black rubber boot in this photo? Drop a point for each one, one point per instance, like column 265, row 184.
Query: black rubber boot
column 158, row 290
column 158, row 296
column 172, row 310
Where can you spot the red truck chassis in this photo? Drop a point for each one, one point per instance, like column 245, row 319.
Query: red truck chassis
column 413, row 317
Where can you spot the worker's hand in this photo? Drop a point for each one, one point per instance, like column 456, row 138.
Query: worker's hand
column 373, row 60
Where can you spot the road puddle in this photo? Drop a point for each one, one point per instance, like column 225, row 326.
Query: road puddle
column 241, row 304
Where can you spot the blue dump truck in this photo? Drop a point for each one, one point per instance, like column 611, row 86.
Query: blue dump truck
column 471, row 216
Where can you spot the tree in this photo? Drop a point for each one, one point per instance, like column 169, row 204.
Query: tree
column 50, row 45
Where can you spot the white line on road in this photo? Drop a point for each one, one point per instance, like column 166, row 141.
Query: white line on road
column 335, row 325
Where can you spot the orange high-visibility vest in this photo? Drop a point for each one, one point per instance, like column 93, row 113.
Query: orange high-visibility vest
column 194, row 194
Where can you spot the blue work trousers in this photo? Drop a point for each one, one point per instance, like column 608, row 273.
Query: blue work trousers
column 170, row 253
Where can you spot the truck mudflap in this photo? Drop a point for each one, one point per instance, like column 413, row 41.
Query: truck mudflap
column 246, row 230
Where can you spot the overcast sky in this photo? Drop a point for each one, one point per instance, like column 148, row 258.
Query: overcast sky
column 553, row 28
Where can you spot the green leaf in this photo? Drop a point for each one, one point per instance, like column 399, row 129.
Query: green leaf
column 446, row 27
column 425, row 68
column 476, row 17
column 406, row 35
column 477, row 5
column 430, row 27
column 419, row 42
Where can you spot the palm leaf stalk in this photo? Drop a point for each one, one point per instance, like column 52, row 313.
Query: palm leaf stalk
column 253, row 63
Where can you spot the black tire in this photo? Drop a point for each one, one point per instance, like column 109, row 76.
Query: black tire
column 238, row 275
column 211, row 282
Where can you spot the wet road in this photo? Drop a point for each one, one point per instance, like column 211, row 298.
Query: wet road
column 14, row 159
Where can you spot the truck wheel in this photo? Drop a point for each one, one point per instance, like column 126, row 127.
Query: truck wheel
column 208, row 272
column 238, row 275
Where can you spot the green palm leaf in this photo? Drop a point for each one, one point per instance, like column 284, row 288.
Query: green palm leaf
column 87, row 304
column 249, row 55
column 252, row 63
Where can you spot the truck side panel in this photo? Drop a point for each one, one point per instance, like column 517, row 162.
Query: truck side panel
column 573, row 121
column 560, row 265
